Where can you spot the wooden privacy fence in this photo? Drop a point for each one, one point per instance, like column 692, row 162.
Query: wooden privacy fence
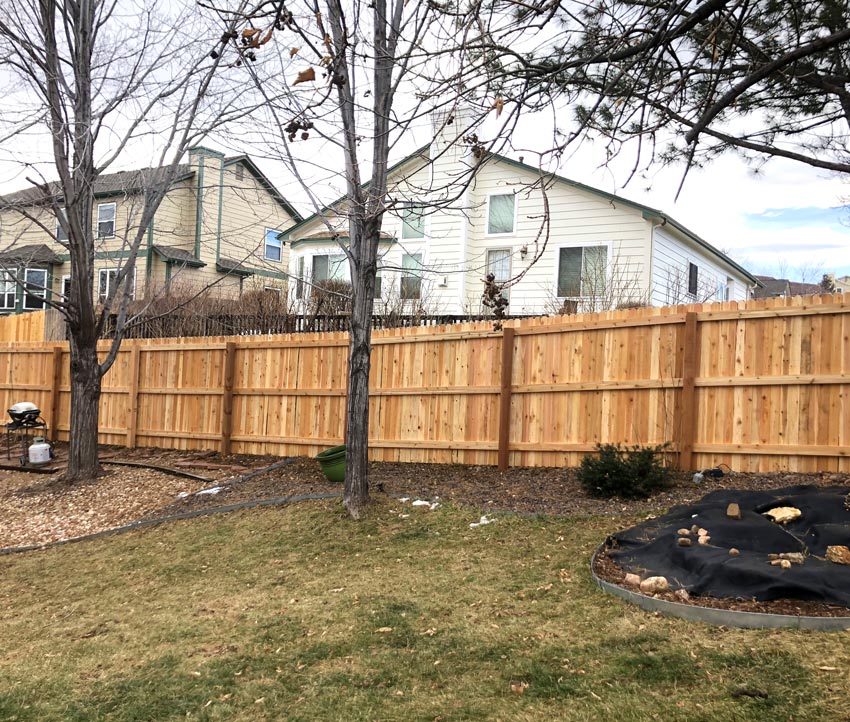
column 25, row 327
column 759, row 387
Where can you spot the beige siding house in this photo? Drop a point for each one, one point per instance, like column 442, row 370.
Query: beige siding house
column 218, row 226
column 566, row 246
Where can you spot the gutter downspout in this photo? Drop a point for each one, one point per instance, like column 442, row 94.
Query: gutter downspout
column 652, row 228
column 199, row 208
column 220, row 206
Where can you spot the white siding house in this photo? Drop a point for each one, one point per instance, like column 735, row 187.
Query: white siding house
column 564, row 245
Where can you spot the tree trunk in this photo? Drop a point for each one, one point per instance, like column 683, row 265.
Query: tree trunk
column 359, row 362
column 83, row 461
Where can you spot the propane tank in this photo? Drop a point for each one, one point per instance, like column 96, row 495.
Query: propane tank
column 39, row 451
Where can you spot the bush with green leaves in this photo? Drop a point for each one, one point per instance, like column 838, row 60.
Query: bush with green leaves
column 628, row 472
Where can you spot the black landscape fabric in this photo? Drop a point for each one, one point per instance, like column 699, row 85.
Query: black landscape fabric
column 651, row 548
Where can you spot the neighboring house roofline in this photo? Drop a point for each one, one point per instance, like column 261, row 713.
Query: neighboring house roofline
column 110, row 185
column 284, row 235
column 32, row 253
column 647, row 212
column 180, row 256
column 235, row 268
column 260, row 177
column 326, row 238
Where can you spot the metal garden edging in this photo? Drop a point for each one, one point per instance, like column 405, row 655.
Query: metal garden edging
column 725, row 617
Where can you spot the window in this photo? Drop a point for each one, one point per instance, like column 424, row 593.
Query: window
column 60, row 232
column 272, row 289
column 693, row 279
column 8, row 291
column 411, row 281
column 35, row 283
column 106, row 220
column 66, row 288
column 330, row 268
column 413, row 222
column 273, row 245
column 106, row 283
column 582, row 271
column 499, row 264
column 299, row 276
column 378, row 283
column 500, row 214
column 722, row 292
column 730, row 289
column 240, row 172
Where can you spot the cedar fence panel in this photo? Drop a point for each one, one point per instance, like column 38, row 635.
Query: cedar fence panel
column 24, row 327
column 759, row 386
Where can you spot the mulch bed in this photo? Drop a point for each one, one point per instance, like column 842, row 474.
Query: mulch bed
column 35, row 509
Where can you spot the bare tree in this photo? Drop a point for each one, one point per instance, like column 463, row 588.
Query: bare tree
column 101, row 81
column 364, row 78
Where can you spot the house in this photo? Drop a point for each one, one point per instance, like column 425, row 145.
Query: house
column 842, row 284
column 782, row 287
column 218, row 226
column 447, row 227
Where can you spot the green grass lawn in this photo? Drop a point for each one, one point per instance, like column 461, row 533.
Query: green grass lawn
column 297, row 613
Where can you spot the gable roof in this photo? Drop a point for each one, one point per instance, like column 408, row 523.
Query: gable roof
column 647, row 212
column 331, row 206
column 773, row 287
column 134, row 181
column 650, row 214
column 260, row 177
column 108, row 184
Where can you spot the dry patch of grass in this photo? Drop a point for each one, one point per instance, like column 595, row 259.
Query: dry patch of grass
column 297, row 613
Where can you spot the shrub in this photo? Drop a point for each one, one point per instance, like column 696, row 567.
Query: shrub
column 628, row 472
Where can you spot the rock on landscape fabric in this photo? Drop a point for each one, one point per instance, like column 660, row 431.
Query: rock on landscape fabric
column 652, row 548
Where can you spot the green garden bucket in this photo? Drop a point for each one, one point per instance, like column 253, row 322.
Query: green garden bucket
column 332, row 462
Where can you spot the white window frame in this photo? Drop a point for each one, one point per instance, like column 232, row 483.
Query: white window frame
column 272, row 289
column 406, row 273
column 608, row 264
column 730, row 288
column 114, row 218
column 266, row 246
column 510, row 252
column 60, row 232
column 30, row 296
column 329, row 255
column 102, row 296
column 512, row 232
column 406, row 207
column 65, row 292
column 8, row 287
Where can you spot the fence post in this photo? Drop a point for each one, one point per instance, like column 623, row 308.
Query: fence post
column 505, row 397
column 227, row 398
column 55, row 389
column 687, row 407
column 133, row 398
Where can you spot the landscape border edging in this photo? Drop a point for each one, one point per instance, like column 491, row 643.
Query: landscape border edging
column 718, row 617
